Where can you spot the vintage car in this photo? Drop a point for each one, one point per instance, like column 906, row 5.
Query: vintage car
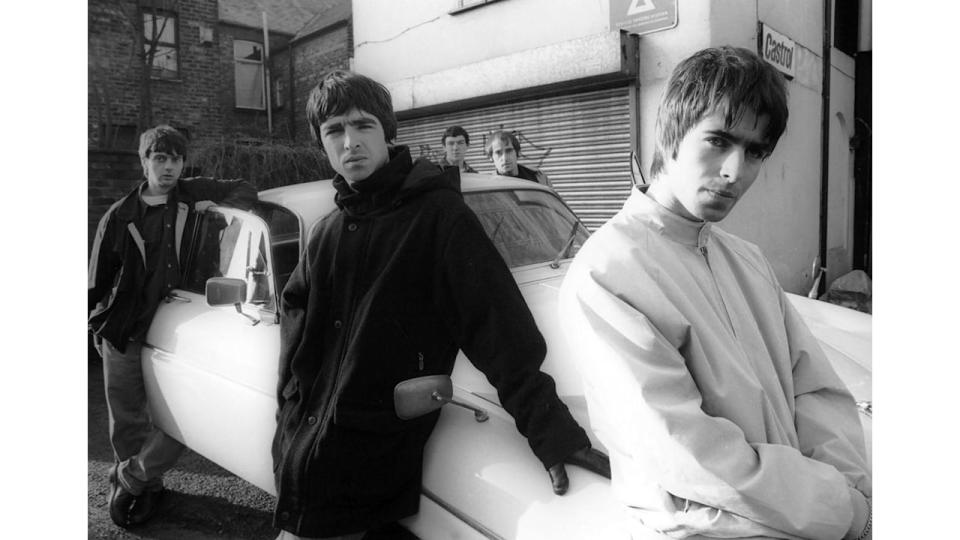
column 211, row 362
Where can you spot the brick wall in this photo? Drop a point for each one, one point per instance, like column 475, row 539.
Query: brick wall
column 190, row 102
column 110, row 175
column 313, row 57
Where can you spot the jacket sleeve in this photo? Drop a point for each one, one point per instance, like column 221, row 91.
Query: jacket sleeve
column 233, row 193
column 293, row 308
column 104, row 262
column 491, row 322
column 646, row 407
column 828, row 423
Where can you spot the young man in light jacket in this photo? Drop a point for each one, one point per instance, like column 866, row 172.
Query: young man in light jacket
column 721, row 413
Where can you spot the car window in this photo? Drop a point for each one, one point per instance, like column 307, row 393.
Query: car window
column 284, row 228
column 235, row 244
column 527, row 226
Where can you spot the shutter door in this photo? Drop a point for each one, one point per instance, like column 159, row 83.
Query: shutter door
column 581, row 141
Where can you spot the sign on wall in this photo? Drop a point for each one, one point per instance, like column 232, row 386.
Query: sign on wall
column 777, row 49
column 643, row 16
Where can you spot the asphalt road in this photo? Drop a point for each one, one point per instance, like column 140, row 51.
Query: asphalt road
column 203, row 501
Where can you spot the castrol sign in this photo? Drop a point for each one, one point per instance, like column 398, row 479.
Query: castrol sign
column 777, row 49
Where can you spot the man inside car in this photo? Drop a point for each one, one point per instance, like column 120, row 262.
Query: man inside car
column 721, row 412
column 456, row 142
column 391, row 284
column 503, row 149
column 134, row 264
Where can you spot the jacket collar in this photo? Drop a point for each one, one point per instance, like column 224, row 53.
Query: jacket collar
column 130, row 207
column 675, row 227
column 389, row 186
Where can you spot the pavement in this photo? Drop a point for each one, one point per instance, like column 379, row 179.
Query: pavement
column 203, row 500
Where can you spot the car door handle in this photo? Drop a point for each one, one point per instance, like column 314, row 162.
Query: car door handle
column 171, row 296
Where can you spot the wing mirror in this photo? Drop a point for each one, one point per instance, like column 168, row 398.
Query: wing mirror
column 413, row 398
column 221, row 291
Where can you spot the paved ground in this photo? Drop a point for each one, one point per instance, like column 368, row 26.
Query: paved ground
column 203, row 502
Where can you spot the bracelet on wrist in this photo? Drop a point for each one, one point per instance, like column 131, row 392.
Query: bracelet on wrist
column 866, row 528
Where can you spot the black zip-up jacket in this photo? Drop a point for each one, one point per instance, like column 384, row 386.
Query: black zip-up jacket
column 117, row 273
column 391, row 285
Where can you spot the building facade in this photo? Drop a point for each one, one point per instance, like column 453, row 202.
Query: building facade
column 580, row 88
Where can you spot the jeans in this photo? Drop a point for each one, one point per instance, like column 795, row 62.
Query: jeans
column 143, row 452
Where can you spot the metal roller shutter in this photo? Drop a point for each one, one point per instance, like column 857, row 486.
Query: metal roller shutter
column 581, row 141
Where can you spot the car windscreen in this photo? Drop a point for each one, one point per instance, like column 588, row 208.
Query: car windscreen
column 527, row 226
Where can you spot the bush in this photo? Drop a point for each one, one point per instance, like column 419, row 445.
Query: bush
column 265, row 163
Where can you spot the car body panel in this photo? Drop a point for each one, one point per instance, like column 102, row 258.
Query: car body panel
column 480, row 480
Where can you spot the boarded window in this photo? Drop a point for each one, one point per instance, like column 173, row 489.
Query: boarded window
column 248, row 74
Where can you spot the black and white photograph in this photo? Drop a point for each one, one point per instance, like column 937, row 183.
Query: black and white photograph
column 488, row 269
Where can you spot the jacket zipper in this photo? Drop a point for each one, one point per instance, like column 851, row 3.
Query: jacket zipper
column 328, row 413
column 716, row 287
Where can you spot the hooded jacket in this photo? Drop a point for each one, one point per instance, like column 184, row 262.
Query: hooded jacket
column 391, row 285
column 118, row 273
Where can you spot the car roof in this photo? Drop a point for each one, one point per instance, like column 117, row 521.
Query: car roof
column 313, row 200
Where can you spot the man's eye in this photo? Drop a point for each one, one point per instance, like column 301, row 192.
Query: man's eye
column 757, row 153
column 719, row 142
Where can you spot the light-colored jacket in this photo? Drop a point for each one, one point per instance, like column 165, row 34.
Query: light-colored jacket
column 721, row 413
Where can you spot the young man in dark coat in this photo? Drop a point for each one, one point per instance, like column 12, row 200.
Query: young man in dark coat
column 134, row 263
column 390, row 286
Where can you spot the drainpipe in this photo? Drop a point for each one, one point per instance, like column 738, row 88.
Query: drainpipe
column 824, row 145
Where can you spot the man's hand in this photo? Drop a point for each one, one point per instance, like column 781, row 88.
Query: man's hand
column 201, row 206
column 588, row 458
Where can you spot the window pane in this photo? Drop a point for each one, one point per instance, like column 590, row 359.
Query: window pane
column 165, row 62
column 247, row 50
column 165, row 26
column 249, row 85
column 526, row 226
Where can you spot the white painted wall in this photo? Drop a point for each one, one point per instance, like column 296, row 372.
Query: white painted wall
column 405, row 43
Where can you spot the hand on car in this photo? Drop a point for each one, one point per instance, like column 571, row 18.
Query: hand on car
column 588, row 458
column 201, row 206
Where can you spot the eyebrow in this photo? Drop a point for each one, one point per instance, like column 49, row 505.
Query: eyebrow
column 749, row 143
column 355, row 122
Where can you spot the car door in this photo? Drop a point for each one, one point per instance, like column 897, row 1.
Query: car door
column 211, row 372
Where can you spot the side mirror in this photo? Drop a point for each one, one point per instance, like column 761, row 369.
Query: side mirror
column 221, row 291
column 416, row 397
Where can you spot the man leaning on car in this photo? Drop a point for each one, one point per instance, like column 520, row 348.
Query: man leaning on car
column 723, row 417
column 134, row 264
column 390, row 285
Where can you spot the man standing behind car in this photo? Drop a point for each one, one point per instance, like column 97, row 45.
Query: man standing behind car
column 134, row 264
column 503, row 149
column 456, row 142
column 721, row 412
column 391, row 284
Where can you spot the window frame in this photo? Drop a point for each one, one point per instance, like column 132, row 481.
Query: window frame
column 156, row 72
column 236, row 61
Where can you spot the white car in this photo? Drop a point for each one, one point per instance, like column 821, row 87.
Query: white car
column 211, row 371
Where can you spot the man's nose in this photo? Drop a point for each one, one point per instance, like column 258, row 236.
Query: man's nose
column 349, row 138
column 732, row 166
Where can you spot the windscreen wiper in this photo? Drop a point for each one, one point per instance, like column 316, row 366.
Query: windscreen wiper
column 566, row 246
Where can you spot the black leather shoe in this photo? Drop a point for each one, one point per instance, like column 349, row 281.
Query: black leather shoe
column 145, row 506
column 119, row 500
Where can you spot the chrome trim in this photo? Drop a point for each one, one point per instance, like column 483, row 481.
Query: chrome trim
column 474, row 524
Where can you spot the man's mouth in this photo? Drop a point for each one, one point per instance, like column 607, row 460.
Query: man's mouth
column 723, row 193
column 353, row 159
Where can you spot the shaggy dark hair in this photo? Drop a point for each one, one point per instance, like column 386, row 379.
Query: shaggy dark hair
column 163, row 138
column 455, row 131
column 340, row 91
column 726, row 80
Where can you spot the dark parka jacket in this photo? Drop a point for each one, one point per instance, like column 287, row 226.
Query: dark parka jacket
column 117, row 272
column 390, row 286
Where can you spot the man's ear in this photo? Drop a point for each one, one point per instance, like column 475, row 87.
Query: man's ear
column 636, row 174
